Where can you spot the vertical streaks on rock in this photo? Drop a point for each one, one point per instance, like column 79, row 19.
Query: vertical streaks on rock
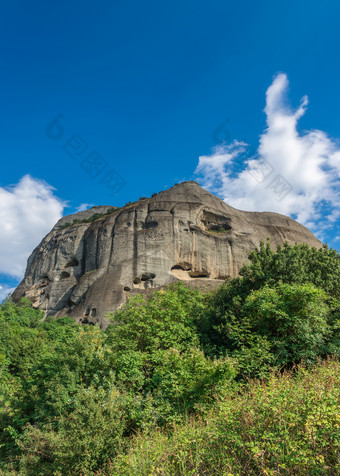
column 181, row 233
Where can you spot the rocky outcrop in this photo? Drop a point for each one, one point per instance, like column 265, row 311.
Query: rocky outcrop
column 92, row 261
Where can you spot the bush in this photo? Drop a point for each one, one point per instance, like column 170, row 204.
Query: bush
column 79, row 441
column 166, row 319
column 298, row 264
column 278, row 307
column 155, row 346
column 287, row 425
column 166, row 390
column 294, row 320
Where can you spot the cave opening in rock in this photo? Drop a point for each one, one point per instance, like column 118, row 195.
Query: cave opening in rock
column 147, row 276
column 149, row 224
column 215, row 223
column 181, row 271
column 198, row 274
column 72, row 263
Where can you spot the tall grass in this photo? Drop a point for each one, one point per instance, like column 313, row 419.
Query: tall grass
column 288, row 425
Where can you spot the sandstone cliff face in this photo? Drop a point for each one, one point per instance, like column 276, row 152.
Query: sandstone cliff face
column 88, row 269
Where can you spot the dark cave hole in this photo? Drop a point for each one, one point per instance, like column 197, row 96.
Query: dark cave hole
column 72, row 263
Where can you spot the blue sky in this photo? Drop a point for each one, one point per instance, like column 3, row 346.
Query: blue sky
column 152, row 87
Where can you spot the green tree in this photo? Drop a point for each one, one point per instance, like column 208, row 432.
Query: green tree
column 298, row 264
column 223, row 326
column 293, row 318
column 163, row 320
column 155, row 347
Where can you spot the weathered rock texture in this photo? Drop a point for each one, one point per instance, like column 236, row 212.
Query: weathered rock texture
column 86, row 270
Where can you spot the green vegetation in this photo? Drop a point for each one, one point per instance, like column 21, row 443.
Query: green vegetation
column 288, row 425
column 94, row 217
column 97, row 216
column 245, row 380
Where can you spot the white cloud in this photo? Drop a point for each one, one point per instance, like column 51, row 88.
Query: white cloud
column 84, row 206
column 4, row 291
column 290, row 173
column 28, row 211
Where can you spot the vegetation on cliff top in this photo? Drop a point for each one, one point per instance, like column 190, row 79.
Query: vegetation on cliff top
column 97, row 216
column 182, row 383
column 91, row 219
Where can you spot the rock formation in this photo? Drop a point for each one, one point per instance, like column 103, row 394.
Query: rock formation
column 92, row 261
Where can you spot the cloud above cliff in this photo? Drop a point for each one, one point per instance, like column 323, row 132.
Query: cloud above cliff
column 28, row 210
column 292, row 173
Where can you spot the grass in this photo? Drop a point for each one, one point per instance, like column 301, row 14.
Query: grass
column 289, row 425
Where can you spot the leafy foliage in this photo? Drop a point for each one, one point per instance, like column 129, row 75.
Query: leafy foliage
column 275, row 314
column 298, row 264
column 155, row 342
column 288, row 425
column 166, row 390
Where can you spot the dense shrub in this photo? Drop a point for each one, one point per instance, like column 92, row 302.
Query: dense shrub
column 287, row 425
column 277, row 307
column 277, row 325
column 298, row 264
column 156, row 347
column 166, row 390
column 164, row 320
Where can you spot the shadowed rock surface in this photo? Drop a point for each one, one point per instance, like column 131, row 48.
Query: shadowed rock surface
column 88, row 268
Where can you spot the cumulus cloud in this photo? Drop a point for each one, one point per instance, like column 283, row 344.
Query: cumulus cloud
column 28, row 210
column 5, row 291
column 292, row 173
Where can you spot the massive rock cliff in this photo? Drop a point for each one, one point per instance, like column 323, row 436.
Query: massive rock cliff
column 92, row 261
